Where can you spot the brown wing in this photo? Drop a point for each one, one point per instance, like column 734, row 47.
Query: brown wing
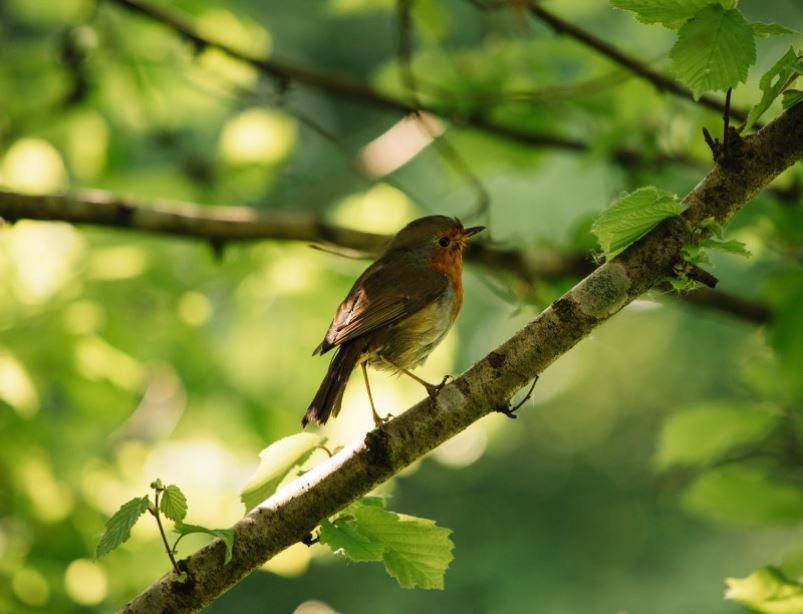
column 383, row 294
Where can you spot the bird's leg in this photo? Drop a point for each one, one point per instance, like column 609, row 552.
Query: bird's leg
column 377, row 420
column 432, row 389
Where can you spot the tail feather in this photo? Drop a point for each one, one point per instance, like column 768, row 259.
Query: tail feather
column 330, row 393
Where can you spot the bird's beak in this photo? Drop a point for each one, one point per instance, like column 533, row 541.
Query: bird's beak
column 470, row 232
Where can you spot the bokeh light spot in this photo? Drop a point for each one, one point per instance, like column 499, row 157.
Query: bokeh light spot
column 194, row 308
column 16, row 387
column 33, row 166
column 85, row 582
column 257, row 136
column 291, row 562
column 383, row 209
column 30, row 587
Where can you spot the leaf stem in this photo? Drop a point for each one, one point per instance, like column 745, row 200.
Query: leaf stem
column 155, row 512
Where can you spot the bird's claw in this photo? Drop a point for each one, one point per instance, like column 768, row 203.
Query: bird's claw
column 434, row 389
column 379, row 420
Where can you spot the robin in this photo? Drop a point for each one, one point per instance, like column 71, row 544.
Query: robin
column 398, row 310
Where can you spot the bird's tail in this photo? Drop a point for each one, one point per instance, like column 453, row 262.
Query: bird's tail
column 330, row 393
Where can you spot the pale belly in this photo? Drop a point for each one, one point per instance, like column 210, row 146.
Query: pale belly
column 411, row 340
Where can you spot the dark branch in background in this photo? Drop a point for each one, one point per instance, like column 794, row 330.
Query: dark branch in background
column 357, row 91
column 291, row 514
column 346, row 88
column 444, row 148
column 662, row 82
column 222, row 225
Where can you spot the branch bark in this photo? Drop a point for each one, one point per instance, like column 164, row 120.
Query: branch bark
column 290, row 515
column 222, row 225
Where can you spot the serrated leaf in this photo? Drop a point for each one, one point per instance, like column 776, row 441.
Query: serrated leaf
column 763, row 30
column 632, row 217
column 714, row 50
column 118, row 527
column 771, row 85
column 343, row 537
column 731, row 246
column 227, row 535
column 173, row 504
column 276, row 462
column 703, row 433
column 791, row 98
column 417, row 551
column 669, row 13
column 767, row 590
column 744, row 495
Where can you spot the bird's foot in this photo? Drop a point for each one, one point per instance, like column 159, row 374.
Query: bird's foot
column 434, row 389
column 379, row 420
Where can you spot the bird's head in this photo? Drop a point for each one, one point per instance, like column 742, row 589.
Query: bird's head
column 445, row 236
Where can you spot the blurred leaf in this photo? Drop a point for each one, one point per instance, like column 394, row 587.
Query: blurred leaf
column 763, row 30
column 227, row 535
column 632, row 217
column 785, row 292
column 714, row 50
column 276, row 462
column 791, row 98
column 732, row 247
column 747, row 495
column 767, row 590
column 703, row 433
column 771, row 84
column 118, row 527
column 173, row 503
column 415, row 550
column 670, row 13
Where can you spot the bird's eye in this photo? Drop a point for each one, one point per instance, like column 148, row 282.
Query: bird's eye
column 444, row 242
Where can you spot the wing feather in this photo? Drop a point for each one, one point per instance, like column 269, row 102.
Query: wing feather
column 384, row 293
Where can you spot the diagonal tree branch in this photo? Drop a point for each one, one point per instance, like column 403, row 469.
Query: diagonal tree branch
column 222, row 225
column 292, row 513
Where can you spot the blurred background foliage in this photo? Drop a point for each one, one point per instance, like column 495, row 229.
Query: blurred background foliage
column 660, row 456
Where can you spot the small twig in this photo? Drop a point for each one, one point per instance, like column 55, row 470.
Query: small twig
column 702, row 276
column 726, row 125
column 155, row 513
column 510, row 412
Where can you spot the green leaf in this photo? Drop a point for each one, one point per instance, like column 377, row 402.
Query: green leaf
column 173, row 504
column 767, row 590
column 343, row 537
column 745, row 495
column 714, row 50
column 731, row 246
column 762, row 30
column 791, row 98
column 118, row 527
column 670, row 13
column 703, row 433
column 227, row 535
column 415, row 550
column 771, row 85
column 276, row 462
column 632, row 217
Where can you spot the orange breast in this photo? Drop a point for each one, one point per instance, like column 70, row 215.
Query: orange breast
column 451, row 262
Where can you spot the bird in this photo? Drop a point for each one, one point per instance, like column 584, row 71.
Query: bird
column 397, row 311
